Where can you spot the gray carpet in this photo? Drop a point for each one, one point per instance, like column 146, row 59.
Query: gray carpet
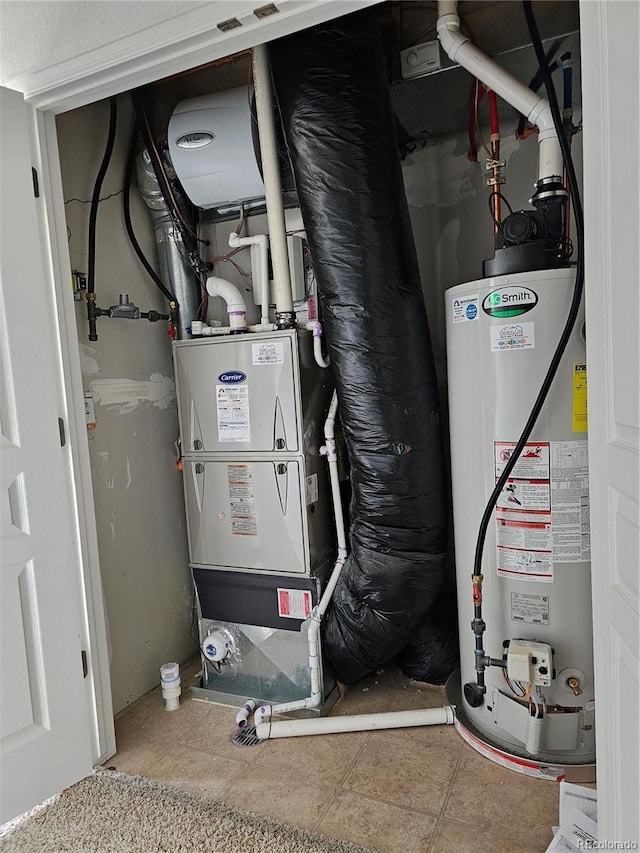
column 112, row 813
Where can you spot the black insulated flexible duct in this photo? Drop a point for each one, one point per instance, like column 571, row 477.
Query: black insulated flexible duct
column 339, row 126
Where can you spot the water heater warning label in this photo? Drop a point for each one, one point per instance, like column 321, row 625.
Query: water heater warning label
column 580, row 397
column 524, row 540
column 294, row 603
column 530, row 609
column 570, row 501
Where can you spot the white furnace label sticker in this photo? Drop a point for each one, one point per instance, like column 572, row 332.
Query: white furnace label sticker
column 465, row 308
column 530, row 609
column 515, row 336
column 232, row 404
column 294, row 603
column 570, row 501
column 311, row 488
column 269, row 352
column 524, row 541
column 242, row 500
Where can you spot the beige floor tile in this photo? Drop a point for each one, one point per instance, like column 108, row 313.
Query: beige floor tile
column 321, row 759
column 289, row 798
column 452, row 837
column 412, row 695
column 383, row 827
column 413, row 699
column 135, row 756
column 483, row 788
column 403, row 772
column 214, row 735
column 199, row 773
column 370, row 695
column 148, row 720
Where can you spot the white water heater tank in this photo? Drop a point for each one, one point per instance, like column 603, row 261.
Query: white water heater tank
column 536, row 598
column 211, row 148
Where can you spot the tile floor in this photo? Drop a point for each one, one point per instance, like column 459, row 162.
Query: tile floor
column 420, row 790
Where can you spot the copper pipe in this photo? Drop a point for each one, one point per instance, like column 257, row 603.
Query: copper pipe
column 495, row 155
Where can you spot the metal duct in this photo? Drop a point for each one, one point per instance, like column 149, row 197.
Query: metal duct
column 337, row 116
column 172, row 256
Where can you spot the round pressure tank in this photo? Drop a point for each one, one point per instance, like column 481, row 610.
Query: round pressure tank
column 536, row 597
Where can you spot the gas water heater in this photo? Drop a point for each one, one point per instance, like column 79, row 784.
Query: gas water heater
column 536, row 593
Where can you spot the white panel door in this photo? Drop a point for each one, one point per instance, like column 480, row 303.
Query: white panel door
column 611, row 97
column 45, row 742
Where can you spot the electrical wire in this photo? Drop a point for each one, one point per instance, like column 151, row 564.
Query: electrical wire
column 126, row 210
column 95, row 200
column 573, row 310
column 503, row 198
column 89, row 200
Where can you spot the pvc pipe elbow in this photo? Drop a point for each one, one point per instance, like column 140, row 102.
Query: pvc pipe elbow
column 242, row 717
column 229, row 292
column 261, row 240
column 448, row 30
column 316, row 327
column 262, row 714
column 236, row 306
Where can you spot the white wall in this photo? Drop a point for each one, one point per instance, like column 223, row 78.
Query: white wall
column 137, row 488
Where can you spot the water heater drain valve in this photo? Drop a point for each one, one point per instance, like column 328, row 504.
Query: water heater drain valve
column 530, row 662
column 216, row 647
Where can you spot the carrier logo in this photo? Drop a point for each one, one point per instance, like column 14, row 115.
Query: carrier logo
column 233, row 377
column 195, row 140
column 509, row 301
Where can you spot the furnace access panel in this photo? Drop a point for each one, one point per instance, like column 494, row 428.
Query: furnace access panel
column 251, row 410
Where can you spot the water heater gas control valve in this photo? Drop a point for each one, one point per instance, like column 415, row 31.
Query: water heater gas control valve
column 530, row 662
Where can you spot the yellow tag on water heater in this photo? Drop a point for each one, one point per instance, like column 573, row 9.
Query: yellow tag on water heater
column 580, row 397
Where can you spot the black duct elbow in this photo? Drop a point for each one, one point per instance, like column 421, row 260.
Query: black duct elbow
column 333, row 96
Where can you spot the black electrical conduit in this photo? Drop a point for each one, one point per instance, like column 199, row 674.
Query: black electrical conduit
column 474, row 693
column 126, row 209
column 93, row 218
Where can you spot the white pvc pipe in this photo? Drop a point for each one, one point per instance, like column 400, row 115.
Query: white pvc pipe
column 314, row 700
column 271, row 176
column 262, row 242
column 313, row 635
column 536, row 108
column 236, row 306
column 316, row 327
column 242, row 717
column 357, row 723
column 330, row 451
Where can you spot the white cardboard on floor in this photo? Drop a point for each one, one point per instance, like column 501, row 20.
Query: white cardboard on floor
column 578, row 819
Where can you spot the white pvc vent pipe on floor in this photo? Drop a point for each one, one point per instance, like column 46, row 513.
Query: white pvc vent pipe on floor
column 536, row 108
column 356, row 723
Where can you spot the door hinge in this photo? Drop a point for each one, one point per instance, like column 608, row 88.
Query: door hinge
column 63, row 437
column 85, row 664
column 36, row 183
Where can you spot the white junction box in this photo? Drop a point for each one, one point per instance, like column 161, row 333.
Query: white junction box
column 420, row 59
column 530, row 662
